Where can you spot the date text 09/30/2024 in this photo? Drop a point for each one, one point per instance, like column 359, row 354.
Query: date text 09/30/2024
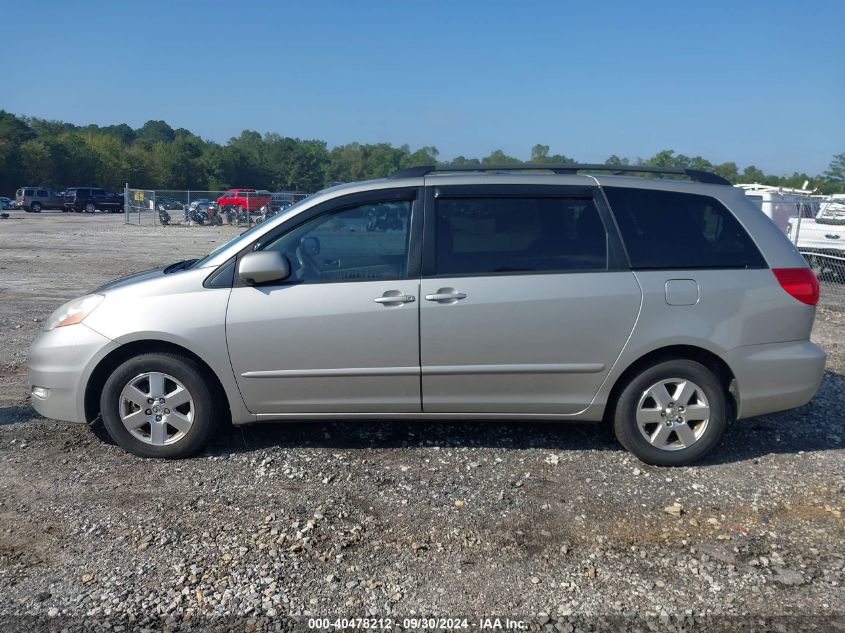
column 419, row 623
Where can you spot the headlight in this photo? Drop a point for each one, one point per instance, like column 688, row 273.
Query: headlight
column 73, row 311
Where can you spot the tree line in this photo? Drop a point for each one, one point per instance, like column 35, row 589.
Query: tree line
column 36, row 151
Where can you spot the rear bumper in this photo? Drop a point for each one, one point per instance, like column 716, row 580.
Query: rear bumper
column 60, row 362
column 776, row 377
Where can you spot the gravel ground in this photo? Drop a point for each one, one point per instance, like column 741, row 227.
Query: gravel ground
column 552, row 524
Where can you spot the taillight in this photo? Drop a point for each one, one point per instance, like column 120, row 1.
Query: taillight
column 801, row 283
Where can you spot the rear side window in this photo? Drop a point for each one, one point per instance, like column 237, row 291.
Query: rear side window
column 518, row 235
column 29, row 192
column 667, row 229
column 98, row 192
column 42, row 193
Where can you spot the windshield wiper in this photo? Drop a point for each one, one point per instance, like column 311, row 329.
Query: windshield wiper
column 179, row 266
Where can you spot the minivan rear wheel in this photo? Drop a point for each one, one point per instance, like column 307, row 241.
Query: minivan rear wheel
column 159, row 405
column 671, row 413
column 36, row 207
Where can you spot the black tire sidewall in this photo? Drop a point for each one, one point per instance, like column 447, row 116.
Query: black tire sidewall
column 189, row 374
column 625, row 425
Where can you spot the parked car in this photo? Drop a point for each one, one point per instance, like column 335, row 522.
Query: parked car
column 91, row 199
column 37, row 198
column 822, row 239
column 5, row 203
column 664, row 308
column 237, row 203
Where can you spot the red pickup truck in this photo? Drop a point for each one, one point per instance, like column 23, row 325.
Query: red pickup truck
column 243, row 200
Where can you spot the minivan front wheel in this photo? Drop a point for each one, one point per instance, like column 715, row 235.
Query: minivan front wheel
column 672, row 413
column 159, row 405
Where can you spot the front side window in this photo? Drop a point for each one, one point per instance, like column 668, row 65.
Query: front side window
column 672, row 230
column 518, row 235
column 363, row 243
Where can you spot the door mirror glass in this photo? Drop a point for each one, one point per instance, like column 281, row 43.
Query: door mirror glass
column 262, row 267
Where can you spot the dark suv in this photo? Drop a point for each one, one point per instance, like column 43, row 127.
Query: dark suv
column 91, row 199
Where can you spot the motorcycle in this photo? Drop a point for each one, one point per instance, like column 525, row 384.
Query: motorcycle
column 236, row 215
column 202, row 214
column 164, row 216
column 268, row 211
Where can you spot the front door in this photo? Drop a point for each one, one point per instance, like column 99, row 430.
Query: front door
column 341, row 335
column 524, row 308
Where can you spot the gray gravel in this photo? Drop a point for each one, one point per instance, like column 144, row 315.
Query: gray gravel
column 554, row 524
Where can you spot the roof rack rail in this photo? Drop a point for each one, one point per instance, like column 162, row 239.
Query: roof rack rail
column 697, row 175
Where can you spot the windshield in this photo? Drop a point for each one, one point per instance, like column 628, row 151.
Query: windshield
column 242, row 237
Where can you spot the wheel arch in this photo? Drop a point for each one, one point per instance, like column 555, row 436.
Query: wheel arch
column 701, row 355
column 113, row 359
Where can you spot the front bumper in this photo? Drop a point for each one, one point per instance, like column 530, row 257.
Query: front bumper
column 776, row 377
column 60, row 363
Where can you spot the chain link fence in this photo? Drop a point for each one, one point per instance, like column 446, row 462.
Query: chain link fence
column 238, row 207
column 821, row 239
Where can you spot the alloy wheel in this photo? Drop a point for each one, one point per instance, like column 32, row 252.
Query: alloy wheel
column 156, row 408
column 673, row 414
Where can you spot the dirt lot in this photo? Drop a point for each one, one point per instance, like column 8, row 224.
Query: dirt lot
column 552, row 523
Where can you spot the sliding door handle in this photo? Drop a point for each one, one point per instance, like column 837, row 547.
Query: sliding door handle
column 446, row 295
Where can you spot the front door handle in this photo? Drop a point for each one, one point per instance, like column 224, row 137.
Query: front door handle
column 446, row 295
column 394, row 297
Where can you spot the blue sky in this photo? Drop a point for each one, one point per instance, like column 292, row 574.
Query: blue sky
column 758, row 83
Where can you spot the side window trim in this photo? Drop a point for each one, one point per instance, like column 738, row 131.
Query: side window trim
column 336, row 205
column 617, row 259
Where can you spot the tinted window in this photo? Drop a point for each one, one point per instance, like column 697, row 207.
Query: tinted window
column 501, row 235
column 42, row 193
column 367, row 242
column 666, row 229
column 98, row 192
column 29, row 192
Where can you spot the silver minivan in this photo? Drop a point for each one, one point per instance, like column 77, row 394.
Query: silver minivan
column 665, row 308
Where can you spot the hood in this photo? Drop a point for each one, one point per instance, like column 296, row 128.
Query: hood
column 144, row 275
column 130, row 279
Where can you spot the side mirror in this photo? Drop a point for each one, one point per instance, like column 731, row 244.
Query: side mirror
column 263, row 266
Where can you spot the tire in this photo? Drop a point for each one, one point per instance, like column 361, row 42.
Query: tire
column 90, row 208
column 695, row 386
column 198, row 419
column 36, row 207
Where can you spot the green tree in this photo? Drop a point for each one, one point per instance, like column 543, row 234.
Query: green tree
column 835, row 174
column 155, row 132
column 38, row 163
column 498, row 157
